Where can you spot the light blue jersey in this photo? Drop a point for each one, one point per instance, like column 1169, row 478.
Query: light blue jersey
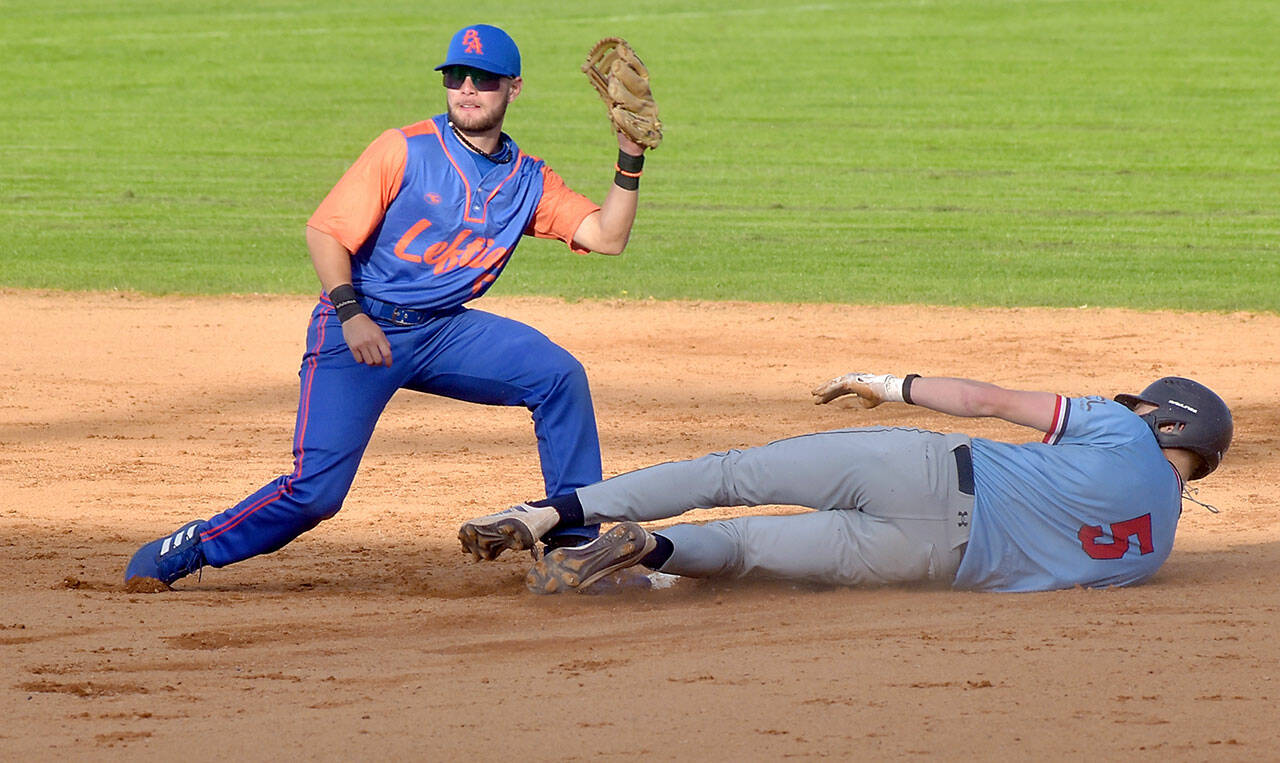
column 1095, row 504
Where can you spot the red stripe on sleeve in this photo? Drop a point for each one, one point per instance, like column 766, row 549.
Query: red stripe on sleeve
column 1059, row 413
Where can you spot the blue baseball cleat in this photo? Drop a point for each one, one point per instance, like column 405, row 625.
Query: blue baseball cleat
column 166, row 559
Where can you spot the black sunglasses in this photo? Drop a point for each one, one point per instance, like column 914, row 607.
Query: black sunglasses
column 454, row 76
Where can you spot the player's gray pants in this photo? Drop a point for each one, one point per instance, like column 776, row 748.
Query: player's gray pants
column 890, row 507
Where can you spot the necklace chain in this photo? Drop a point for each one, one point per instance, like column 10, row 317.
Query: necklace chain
column 501, row 155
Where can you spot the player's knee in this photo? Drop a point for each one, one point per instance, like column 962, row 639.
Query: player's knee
column 567, row 376
column 325, row 511
column 561, row 363
column 319, row 503
column 574, row 375
column 322, row 510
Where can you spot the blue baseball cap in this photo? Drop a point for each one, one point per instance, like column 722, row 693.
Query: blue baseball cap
column 485, row 47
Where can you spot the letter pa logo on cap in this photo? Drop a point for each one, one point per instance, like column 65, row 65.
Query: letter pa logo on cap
column 471, row 42
column 485, row 47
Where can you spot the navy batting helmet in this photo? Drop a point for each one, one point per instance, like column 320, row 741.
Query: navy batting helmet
column 1201, row 420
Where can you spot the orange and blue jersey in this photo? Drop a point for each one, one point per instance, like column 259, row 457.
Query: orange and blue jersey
column 431, row 229
column 430, row 225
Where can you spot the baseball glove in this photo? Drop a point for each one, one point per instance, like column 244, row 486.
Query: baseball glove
column 622, row 81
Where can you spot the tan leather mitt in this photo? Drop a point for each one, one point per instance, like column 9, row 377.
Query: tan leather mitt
column 622, row 81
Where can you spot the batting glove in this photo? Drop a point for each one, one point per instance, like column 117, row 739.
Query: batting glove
column 870, row 389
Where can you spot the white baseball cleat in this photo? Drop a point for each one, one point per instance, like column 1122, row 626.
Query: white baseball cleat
column 518, row 528
column 577, row 567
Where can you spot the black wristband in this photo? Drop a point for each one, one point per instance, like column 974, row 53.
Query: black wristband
column 626, row 182
column 629, row 163
column 628, row 170
column 345, row 303
column 906, row 388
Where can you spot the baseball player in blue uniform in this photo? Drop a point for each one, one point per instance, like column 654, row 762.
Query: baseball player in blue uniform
column 1094, row 503
column 423, row 222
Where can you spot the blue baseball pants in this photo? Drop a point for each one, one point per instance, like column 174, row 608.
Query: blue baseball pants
column 463, row 354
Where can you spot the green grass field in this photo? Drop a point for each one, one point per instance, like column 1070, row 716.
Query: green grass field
column 971, row 152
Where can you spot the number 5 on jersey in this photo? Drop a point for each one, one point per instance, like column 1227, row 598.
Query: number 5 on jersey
column 1120, row 534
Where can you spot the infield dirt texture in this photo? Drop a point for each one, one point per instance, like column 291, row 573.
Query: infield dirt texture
column 373, row 636
column 1059, row 153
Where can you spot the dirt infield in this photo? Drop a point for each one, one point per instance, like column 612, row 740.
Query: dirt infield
column 122, row 416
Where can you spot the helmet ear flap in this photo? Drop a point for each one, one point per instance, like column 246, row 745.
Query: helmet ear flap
column 1150, row 418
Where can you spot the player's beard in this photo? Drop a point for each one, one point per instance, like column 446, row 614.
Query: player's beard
column 475, row 122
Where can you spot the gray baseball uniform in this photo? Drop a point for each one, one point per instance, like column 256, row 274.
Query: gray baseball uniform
column 893, row 506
